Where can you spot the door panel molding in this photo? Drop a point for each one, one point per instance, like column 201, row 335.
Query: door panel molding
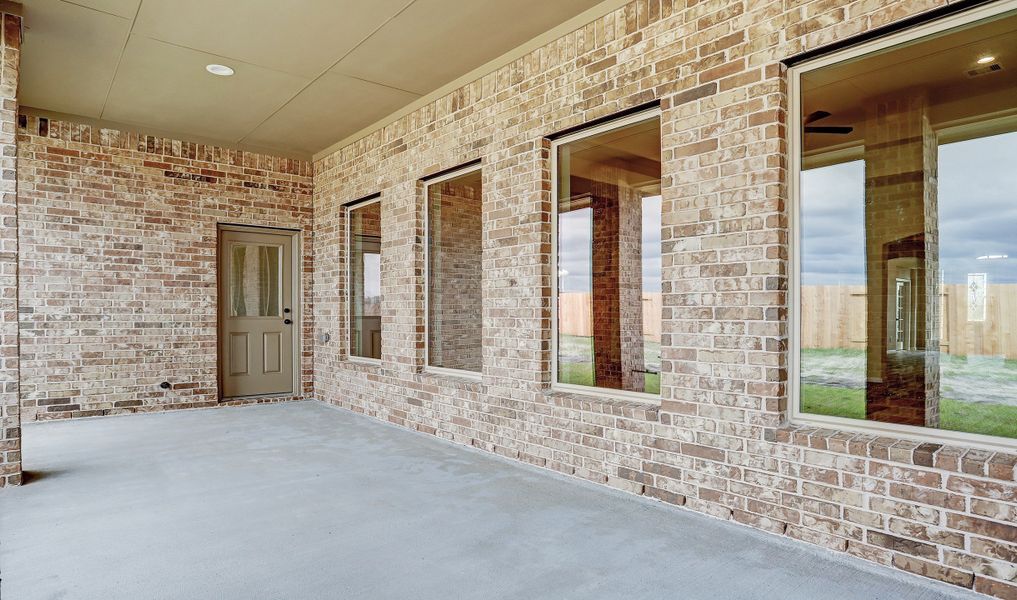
column 268, row 361
column 271, row 344
column 240, row 363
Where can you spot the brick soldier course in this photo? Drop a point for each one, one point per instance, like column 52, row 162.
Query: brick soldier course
column 719, row 440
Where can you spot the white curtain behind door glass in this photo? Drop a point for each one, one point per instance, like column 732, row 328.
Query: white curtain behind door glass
column 254, row 281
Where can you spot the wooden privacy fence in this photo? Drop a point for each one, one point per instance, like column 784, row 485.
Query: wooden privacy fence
column 833, row 316
column 575, row 318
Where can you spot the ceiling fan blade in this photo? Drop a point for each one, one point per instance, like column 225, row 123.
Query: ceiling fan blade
column 813, row 117
column 840, row 130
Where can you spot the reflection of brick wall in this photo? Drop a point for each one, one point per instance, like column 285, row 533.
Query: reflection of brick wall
column 454, row 297
column 118, row 263
column 902, row 242
column 368, row 220
column 630, row 287
column 607, row 354
column 10, row 419
column 617, row 306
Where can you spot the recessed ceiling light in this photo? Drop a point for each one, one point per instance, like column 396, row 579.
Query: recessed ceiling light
column 986, row 60
column 220, row 70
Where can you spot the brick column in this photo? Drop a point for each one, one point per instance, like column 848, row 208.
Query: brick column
column 10, row 420
column 617, row 280
column 607, row 363
column 630, row 287
column 902, row 263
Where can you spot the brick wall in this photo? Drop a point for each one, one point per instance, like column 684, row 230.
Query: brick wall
column 718, row 442
column 117, row 276
column 10, row 421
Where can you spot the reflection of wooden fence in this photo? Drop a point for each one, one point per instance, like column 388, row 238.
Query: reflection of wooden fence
column 575, row 317
column 834, row 317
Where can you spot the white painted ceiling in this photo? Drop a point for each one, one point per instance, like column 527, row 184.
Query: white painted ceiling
column 308, row 72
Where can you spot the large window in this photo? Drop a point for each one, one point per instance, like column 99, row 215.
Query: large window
column 907, row 251
column 454, row 230
column 608, row 300
column 364, row 267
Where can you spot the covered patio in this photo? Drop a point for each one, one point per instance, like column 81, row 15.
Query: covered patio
column 301, row 500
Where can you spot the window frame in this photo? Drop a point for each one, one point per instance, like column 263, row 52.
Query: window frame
column 428, row 182
column 795, row 164
column 586, row 132
column 348, row 210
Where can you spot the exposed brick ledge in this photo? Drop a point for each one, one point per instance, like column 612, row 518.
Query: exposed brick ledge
column 983, row 463
column 81, row 133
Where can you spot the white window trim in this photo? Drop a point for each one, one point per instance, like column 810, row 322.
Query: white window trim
column 909, row 432
column 428, row 367
column 607, row 393
column 350, row 357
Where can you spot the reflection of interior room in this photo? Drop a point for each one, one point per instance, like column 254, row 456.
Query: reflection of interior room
column 365, row 280
column 454, row 301
column 615, row 178
column 894, row 110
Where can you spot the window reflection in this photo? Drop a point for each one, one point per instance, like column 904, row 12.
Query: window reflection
column 365, row 280
column 908, row 211
column 609, row 268
column 454, row 230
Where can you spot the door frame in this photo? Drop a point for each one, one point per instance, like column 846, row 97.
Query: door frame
column 298, row 304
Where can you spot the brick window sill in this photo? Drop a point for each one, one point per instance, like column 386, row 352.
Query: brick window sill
column 465, row 383
column 642, row 410
column 361, row 366
column 957, row 459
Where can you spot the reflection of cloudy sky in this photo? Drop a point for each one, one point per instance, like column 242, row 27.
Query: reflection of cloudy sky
column 575, row 241
column 833, row 243
column 575, row 257
column 977, row 215
column 651, row 244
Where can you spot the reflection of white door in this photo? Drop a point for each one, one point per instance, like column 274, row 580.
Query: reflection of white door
column 902, row 315
column 257, row 315
column 367, row 329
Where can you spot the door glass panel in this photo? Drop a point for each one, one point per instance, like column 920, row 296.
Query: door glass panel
column 255, row 287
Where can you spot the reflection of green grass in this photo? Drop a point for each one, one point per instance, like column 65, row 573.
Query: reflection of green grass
column 581, row 373
column 973, row 417
column 833, row 401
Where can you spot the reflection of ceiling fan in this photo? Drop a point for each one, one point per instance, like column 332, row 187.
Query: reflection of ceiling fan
column 819, row 115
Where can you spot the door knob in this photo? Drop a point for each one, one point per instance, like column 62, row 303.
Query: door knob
column 287, row 321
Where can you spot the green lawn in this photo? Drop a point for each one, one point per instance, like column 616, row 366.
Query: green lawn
column 582, row 374
column 973, row 417
column 579, row 371
column 834, row 383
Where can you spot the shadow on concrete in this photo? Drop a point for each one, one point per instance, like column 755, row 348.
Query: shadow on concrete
column 30, row 477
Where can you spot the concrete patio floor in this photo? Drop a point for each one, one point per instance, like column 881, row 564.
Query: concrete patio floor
column 300, row 500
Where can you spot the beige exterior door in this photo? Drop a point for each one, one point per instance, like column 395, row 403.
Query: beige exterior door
column 258, row 318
